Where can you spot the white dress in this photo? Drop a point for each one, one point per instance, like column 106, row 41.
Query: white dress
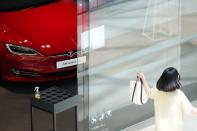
column 169, row 109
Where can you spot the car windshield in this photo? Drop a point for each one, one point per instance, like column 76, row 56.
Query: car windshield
column 12, row 5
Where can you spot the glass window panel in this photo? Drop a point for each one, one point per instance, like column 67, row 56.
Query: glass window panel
column 125, row 37
column 128, row 48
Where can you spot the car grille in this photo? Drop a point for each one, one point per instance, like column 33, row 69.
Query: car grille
column 24, row 73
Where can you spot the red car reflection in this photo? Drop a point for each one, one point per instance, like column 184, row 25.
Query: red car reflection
column 37, row 40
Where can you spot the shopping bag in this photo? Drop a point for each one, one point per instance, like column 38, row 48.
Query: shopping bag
column 137, row 93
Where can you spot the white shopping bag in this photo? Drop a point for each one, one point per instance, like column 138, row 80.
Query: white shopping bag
column 137, row 93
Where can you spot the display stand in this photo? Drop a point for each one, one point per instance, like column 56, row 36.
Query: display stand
column 55, row 100
column 162, row 19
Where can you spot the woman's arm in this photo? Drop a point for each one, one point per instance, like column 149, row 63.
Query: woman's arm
column 145, row 83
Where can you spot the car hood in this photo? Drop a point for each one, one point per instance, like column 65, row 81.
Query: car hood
column 51, row 29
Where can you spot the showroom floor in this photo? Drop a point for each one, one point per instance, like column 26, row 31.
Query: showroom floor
column 15, row 108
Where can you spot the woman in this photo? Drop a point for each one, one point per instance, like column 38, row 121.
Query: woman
column 170, row 103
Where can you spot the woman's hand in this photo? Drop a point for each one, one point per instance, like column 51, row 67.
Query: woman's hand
column 141, row 75
column 145, row 83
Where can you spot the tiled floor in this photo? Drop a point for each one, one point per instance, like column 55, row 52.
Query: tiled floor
column 148, row 125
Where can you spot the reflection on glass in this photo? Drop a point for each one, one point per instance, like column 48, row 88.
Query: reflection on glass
column 97, row 38
column 162, row 19
column 130, row 36
column 113, row 65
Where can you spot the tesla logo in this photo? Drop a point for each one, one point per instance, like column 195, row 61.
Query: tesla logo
column 70, row 53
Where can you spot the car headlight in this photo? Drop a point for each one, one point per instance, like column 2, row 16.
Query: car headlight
column 21, row 50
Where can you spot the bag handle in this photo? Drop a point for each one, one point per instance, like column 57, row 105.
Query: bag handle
column 134, row 89
column 141, row 93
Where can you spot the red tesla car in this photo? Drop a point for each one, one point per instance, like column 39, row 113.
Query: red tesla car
column 38, row 40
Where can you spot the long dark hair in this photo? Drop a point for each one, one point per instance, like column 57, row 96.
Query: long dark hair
column 169, row 80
